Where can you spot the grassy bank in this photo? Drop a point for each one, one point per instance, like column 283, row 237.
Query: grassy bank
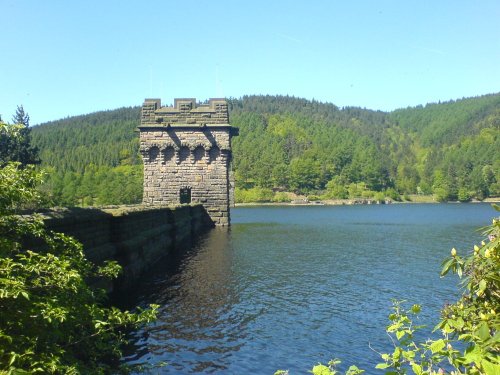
column 261, row 196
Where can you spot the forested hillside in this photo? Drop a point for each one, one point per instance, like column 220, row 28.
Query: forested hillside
column 92, row 159
column 288, row 144
column 101, row 138
column 449, row 149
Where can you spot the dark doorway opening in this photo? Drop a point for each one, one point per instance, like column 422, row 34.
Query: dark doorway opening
column 185, row 195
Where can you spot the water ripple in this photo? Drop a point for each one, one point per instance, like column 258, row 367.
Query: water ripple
column 288, row 287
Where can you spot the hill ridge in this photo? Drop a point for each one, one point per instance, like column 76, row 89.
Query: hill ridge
column 294, row 144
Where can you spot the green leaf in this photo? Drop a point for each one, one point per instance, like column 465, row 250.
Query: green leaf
column 482, row 286
column 490, row 368
column 322, row 370
column 18, row 371
column 409, row 355
column 446, row 266
column 437, row 346
column 472, row 354
column 394, row 327
column 483, row 332
column 12, row 358
column 354, row 370
column 382, row 366
column 417, row 369
column 397, row 353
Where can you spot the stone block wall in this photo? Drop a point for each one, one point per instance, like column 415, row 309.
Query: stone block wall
column 134, row 236
column 188, row 147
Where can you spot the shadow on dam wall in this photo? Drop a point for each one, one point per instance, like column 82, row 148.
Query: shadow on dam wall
column 137, row 237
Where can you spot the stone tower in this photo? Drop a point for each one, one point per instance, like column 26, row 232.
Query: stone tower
column 186, row 151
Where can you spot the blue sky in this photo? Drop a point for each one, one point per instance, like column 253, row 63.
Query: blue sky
column 64, row 58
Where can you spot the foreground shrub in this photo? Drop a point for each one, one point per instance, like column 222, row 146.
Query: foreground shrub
column 51, row 321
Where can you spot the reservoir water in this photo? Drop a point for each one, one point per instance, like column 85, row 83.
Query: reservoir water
column 288, row 287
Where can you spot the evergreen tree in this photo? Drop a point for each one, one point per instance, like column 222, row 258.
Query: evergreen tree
column 21, row 117
column 15, row 140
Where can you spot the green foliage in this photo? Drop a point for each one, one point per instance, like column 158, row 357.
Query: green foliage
column 281, row 197
column 105, row 138
column 464, row 195
column 298, row 145
column 260, row 195
column 392, row 194
column 470, row 342
column 356, row 190
column 292, row 144
column 321, row 369
column 51, row 320
column 336, row 189
column 95, row 186
column 21, row 117
column 17, row 188
column 15, row 144
column 255, row 194
column 305, row 175
column 469, row 328
column 446, row 123
column 330, row 369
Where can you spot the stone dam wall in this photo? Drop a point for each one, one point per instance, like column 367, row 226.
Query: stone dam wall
column 134, row 236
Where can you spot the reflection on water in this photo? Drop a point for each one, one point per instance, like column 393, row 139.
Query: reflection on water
column 198, row 297
column 287, row 287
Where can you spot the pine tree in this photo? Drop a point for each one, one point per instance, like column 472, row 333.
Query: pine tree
column 21, row 117
column 15, row 140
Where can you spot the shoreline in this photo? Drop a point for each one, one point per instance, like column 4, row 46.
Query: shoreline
column 354, row 202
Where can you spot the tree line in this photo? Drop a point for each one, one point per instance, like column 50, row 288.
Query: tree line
column 447, row 149
column 296, row 145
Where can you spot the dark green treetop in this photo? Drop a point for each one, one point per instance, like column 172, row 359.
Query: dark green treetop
column 15, row 140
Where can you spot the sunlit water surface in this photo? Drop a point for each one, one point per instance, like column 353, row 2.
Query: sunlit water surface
column 287, row 287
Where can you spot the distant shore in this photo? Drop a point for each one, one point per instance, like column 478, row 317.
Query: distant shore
column 361, row 201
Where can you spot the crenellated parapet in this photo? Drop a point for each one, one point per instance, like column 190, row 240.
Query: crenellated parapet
column 185, row 112
column 186, row 149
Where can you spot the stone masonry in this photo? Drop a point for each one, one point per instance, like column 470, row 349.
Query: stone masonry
column 186, row 151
